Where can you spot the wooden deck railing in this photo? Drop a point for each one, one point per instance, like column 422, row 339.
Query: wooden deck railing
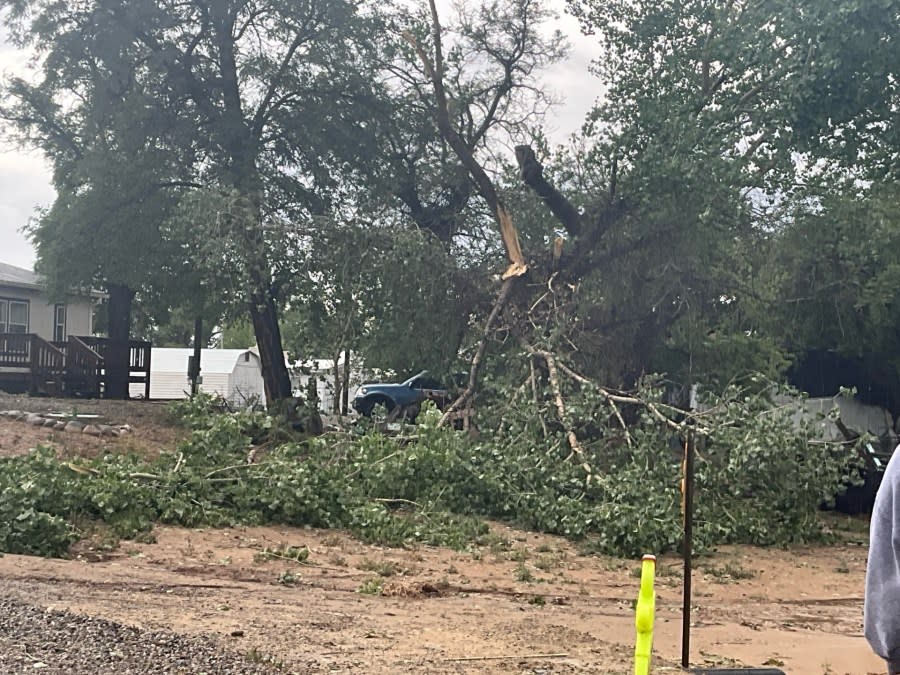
column 35, row 360
column 138, row 359
column 15, row 350
column 74, row 368
column 83, row 368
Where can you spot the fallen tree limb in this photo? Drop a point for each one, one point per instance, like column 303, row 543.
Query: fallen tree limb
column 229, row 468
column 397, row 500
column 534, row 394
column 574, row 443
column 475, row 367
column 583, row 380
column 619, row 398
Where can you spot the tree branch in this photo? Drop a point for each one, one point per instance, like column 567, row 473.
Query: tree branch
column 574, row 443
column 259, row 118
column 472, row 386
column 532, row 174
column 435, row 71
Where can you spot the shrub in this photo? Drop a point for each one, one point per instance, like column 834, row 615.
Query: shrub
column 759, row 480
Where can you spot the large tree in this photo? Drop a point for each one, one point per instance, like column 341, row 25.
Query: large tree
column 712, row 114
column 116, row 177
column 263, row 88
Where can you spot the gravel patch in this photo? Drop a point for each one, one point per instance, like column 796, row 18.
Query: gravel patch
column 36, row 640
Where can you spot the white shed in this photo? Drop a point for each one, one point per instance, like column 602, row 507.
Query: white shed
column 234, row 374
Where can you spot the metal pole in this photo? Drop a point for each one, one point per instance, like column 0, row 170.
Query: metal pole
column 688, row 541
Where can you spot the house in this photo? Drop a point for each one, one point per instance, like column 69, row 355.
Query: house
column 233, row 374
column 26, row 308
column 47, row 346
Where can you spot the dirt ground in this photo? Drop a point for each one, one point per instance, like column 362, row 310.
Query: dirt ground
column 521, row 603
column 151, row 430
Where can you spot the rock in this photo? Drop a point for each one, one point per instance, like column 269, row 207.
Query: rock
column 91, row 430
column 106, row 430
column 49, row 423
column 60, row 425
column 74, row 426
column 78, row 645
column 35, row 420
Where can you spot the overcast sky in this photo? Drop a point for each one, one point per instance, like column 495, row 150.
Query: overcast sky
column 25, row 176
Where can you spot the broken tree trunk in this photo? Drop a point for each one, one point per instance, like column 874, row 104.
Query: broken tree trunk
column 466, row 155
column 116, row 359
column 517, row 265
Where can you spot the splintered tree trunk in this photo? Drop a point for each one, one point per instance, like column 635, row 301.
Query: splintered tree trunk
column 276, row 380
column 116, row 359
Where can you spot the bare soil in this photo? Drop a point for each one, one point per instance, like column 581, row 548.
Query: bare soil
column 152, row 430
column 521, row 603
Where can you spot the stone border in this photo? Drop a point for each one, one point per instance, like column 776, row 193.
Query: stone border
column 71, row 426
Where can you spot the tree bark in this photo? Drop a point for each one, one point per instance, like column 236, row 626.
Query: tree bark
column 264, row 314
column 195, row 364
column 336, row 373
column 116, row 358
column 345, row 390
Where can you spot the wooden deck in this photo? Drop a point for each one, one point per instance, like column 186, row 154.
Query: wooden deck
column 76, row 367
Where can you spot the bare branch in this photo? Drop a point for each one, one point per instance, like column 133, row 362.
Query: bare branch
column 262, row 112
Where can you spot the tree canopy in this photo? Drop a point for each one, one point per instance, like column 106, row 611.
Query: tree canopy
column 336, row 169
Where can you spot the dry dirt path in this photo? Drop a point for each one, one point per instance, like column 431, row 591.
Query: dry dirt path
column 521, row 594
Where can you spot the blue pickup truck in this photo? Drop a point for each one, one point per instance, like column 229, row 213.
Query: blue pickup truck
column 403, row 400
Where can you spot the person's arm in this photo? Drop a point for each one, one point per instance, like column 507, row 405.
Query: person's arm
column 882, row 604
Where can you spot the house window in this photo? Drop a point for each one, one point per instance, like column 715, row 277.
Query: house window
column 13, row 316
column 59, row 323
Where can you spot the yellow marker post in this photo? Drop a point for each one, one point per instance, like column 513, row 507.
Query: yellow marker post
column 644, row 616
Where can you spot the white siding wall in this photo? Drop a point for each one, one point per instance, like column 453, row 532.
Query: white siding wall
column 168, row 385
column 247, row 382
column 79, row 312
column 215, row 383
column 232, row 374
column 163, row 385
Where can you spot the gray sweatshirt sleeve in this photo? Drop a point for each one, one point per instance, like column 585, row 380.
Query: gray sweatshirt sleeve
column 882, row 605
